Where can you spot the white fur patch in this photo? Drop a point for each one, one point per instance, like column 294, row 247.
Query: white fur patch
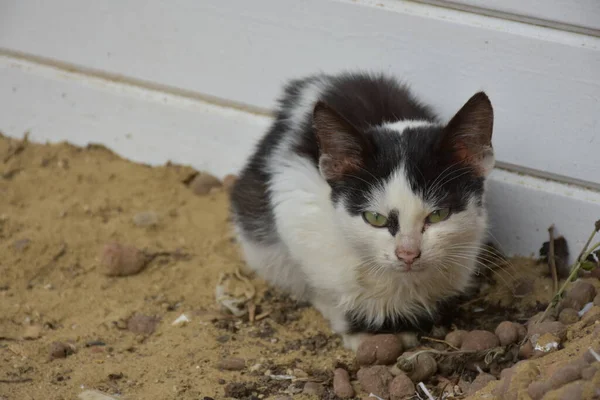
column 402, row 125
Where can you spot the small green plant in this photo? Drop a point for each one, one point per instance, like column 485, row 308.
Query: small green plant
column 582, row 262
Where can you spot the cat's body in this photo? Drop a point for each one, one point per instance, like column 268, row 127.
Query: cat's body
column 359, row 201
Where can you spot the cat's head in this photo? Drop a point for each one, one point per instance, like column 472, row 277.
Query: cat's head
column 409, row 194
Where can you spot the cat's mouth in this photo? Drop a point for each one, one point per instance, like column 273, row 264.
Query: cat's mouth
column 408, row 268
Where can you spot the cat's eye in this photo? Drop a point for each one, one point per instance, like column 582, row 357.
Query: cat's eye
column 375, row 219
column 438, row 216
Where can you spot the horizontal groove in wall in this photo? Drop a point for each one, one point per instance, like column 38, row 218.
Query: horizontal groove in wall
column 83, row 73
column 512, row 17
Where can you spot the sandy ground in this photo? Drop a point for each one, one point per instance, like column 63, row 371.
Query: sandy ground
column 60, row 205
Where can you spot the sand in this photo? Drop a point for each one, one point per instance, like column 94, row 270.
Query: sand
column 60, row 205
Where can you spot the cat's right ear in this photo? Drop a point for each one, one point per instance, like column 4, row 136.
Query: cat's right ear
column 342, row 147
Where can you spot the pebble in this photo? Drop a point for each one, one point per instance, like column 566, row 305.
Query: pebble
column 401, row 387
column 589, row 357
column 544, row 344
column 32, row 332
column 526, row 350
column 455, row 338
column 564, row 375
column 341, row 384
column 146, row 219
column 141, row 324
column 537, row 390
column 232, row 364
column 424, row 368
column 597, row 300
column 590, row 317
column 121, row 260
column 536, row 317
column 589, row 372
column 582, row 292
column 313, row 389
column 379, row 349
column 376, row 380
column 228, row 182
column 61, row 350
column 93, row 395
column 479, row 340
column 556, row 328
column 480, row 382
column 203, row 183
column 522, row 331
column 507, row 332
column 568, row 316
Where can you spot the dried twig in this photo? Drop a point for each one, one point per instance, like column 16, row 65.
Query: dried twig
column 18, row 380
column 439, row 341
column 552, row 259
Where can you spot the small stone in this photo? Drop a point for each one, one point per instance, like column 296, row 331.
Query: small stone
column 455, row 338
column 564, row 375
column 507, row 333
column 572, row 391
column 146, row 219
column 401, row 388
column 32, row 332
column 589, row 372
column 341, row 384
column 94, row 395
column 479, row 340
column 379, row 349
column 313, row 389
column 228, row 182
column 526, row 350
column 591, row 316
column 122, row 260
column 232, row 364
column 582, row 292
column 549, row 317
column 424, row 367
column 203, row 183
column 522, row 331
column 597, row 300
column 589, row 356
column 556, row 328
column 537, row 390
column 481, row 381
column 141, row 324
column 544, row 344
column 376, row 380
column 61, row 350
column 568, row 316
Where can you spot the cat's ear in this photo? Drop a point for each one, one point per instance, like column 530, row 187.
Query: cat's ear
column 342, row 147
column 468, row 135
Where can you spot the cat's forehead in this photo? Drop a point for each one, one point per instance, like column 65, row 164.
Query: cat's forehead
column 397, row 193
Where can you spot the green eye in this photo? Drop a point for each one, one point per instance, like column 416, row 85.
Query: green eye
column 438, row 215
column 374, row 219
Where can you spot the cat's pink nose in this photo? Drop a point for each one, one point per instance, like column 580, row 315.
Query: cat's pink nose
column 408, row 256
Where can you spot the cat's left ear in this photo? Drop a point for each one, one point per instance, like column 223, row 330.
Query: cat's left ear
column 342, row 147
column 468, row 135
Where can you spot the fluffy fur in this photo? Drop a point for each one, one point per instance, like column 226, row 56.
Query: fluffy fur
column 343, row 145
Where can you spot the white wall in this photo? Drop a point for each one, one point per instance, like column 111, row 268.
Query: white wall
column 136, row 75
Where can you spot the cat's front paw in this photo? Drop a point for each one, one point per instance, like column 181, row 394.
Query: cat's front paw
column 353, row 340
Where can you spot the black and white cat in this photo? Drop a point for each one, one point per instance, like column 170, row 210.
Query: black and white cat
column 360, row 201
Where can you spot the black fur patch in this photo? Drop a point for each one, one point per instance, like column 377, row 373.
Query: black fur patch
column 423, row 324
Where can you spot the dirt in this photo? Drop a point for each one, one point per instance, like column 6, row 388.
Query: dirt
column 66, row 325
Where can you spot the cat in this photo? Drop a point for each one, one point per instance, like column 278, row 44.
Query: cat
column 361, row 202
